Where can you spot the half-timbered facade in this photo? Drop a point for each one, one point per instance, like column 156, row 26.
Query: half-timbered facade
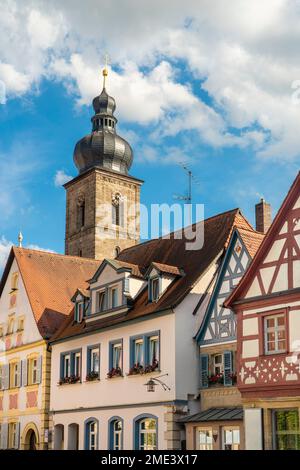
column 216, row 340
column 267, row 304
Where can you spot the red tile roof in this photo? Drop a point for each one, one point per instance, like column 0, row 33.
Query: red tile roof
column 50, row 281
column 171, row 251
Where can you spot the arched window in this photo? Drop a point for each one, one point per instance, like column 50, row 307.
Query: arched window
column 117, row 251
column 91, row 434
column 145, row 432
column 81, row 212
column 115, row 433
column 117, row 210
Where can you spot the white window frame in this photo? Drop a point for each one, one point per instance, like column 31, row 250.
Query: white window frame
column 102, row 307
column 231, row 429
column 152, row 339
column 77, row 364
column 139, row 345
column 115, row 347
column 92, row 434
column 153, row 281
column 208, row 434
column 147, row 432
column 67, row 360
column 94, row 352
column 276, row 329
column 79, row 311
column 114, row 302
column 219, row 365
column 117, row 432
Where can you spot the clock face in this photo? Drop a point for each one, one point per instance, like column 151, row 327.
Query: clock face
column 13, row 300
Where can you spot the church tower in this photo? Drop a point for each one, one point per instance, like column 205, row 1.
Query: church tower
column 103, row 201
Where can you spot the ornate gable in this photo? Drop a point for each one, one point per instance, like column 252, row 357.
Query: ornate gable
column 219, row 324
column 279, row 269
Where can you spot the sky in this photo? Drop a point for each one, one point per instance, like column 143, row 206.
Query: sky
column 211, row 83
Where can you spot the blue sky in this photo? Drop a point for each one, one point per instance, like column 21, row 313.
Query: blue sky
column 219, row 97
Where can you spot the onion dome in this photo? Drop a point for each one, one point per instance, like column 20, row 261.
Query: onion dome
column 103, row 148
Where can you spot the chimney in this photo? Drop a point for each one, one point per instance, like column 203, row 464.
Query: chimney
column 263, row 216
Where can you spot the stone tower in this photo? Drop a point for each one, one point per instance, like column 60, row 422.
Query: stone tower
column 103, row 201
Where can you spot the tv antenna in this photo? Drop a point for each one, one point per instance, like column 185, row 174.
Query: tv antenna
column 188, row 197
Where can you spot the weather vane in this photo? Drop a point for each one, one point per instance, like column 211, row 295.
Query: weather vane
column 105, row 70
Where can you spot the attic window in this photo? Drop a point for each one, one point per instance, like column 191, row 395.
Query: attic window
column 100, row 301
column 154, row 289
column 79, row 311
column 14, row 281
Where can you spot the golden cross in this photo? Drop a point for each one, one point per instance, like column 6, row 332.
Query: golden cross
column 105, row 70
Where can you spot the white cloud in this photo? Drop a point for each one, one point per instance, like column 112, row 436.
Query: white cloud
column 245, row 54
column 61, row 178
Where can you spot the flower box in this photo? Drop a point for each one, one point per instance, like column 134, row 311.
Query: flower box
column 73, row 379
column 114, row 372
column 92, row 376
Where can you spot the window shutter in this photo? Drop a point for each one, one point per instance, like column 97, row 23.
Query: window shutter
column 24, row 373
column 227, row 368
column 17, row 442
column 203, row 370
column 6, row 377
column 39, row 369
column 19, row 374
column 4, row 436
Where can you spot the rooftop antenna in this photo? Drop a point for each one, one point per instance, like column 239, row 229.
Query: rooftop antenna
column 187, row 198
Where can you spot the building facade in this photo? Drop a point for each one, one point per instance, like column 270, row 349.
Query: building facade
column 33, row 302
column 219, row 425
column 267, row 306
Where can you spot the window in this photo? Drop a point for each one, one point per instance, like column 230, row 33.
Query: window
column 77, row 364
column 154, row 289
column 117, row 210
column 1, row 379
column 70, row 371
column 11, row 325
column 115, row 434
column 153, row 350
column 286, row 430
column 146, row 434
column 93, row 365
column 275, row 334
column 138, row 352
column 81, row 214
column 91, row 434
column 79, row 311
column 13, row 436
column 144, row 352
column 14, row 281
column 218, row 367
column 33, row 371
column 14, row 374
column 231, row 439
column 114, row 297
column 204, row 439
column 117, row 356
column 100, row 301
column 21, row 324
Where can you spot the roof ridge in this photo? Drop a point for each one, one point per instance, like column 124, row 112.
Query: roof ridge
column 50, row 253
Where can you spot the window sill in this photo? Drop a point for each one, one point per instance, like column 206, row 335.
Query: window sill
column 115, row 377
column 91, row 381
column 141, row 374
column 69, row 383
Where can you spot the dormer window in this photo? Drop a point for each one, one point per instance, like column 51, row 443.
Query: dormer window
column 79, row 311
column 114, row 297
column 100, row 301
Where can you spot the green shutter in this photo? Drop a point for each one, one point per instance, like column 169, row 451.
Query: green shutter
column 204, row 370
column 227, row 368
column 24, row 372
column 39, row 369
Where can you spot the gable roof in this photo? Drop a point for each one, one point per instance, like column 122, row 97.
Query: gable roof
column 50, row 281
column 169, row 251
column 251, row 242
column 119, row 266
column 290, row 198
